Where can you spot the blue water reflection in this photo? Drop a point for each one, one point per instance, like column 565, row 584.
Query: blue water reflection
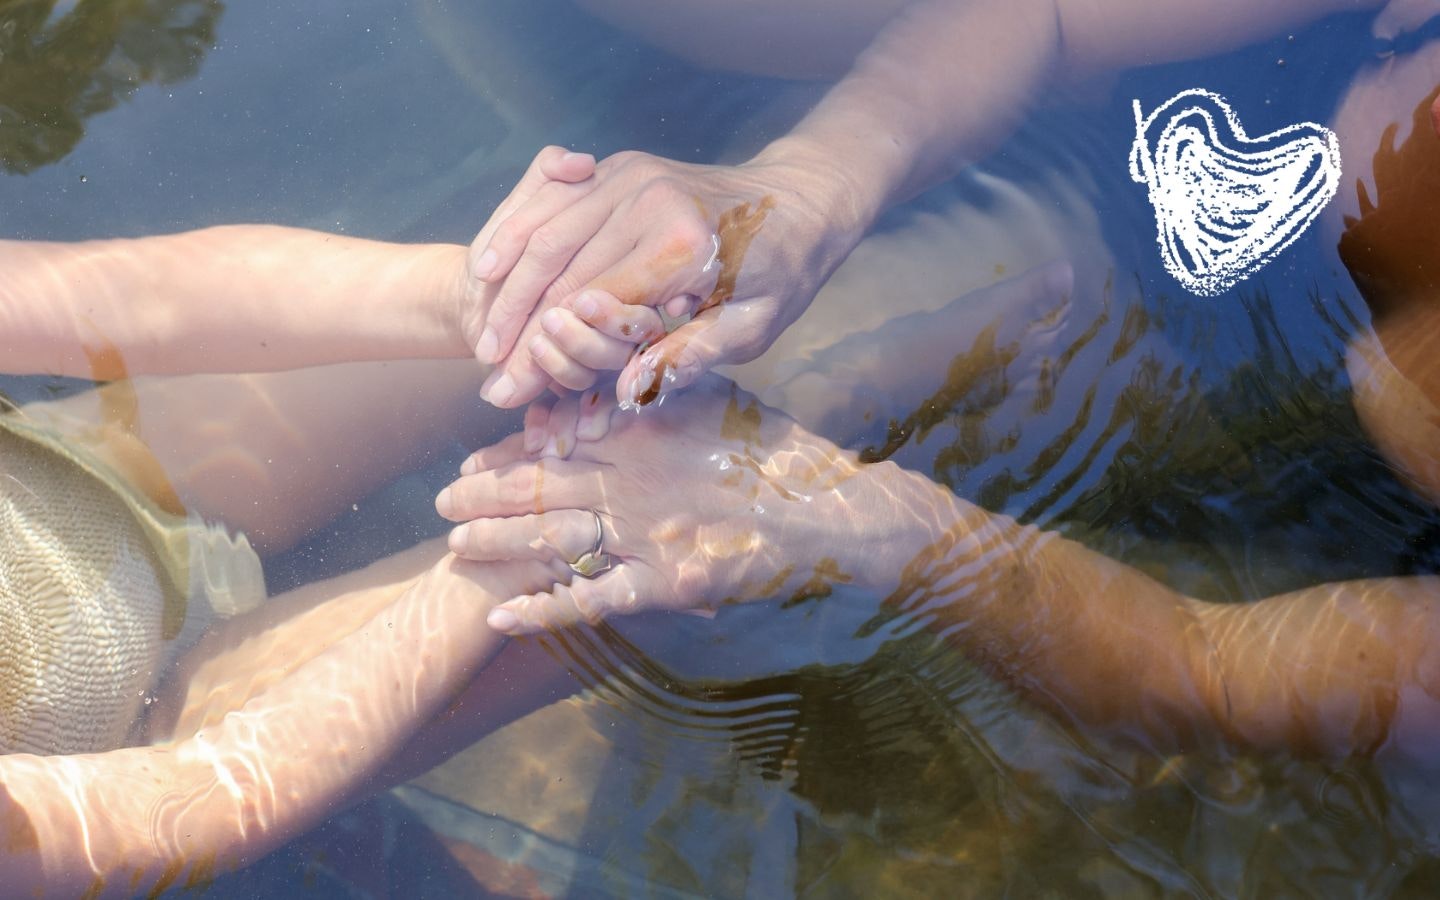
column 829, row 746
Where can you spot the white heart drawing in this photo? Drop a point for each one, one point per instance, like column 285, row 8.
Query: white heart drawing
column 1225, row 205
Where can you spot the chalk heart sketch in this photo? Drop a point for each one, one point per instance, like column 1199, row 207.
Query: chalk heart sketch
column 1227, row 204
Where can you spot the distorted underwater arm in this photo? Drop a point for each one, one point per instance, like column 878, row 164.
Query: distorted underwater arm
column 271, row 756
column 720, row 500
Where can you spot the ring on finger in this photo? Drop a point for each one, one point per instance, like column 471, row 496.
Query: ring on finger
column 595, row 560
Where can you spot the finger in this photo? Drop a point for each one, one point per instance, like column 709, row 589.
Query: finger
column 539, row 249
column 508, row 451
column 589, row 346
column 659, row 269
column 560, row 431
column 563, row 534
column 519, row 489
column 518, row 380
column 679, row 307
column 521, row 226
column 559, row 164
column 623, row 590
column 558, row 365
column 564, row 165
column 684, row 355
column 596, row 408
column 537, row 418
column 633, row 323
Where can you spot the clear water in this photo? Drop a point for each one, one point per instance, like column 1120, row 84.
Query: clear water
column 823, row 748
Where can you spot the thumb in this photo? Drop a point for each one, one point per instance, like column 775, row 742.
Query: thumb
column 683, row 355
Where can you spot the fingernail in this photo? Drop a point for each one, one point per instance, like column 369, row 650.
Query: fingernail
column 485, row 264
column 536, row 346
column 488, row 346
column 459, row 538
column 444, row 505
column 572, row 156
column 469, row 466
column 534, row 439
column 502, row 390
column 586, row 306
column 552, row 449
column 552, row 321
column 642, row 385
column 502, row 620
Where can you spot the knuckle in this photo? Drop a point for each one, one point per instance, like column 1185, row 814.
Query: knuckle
column 660, row 193
column 516, row 489
column 623, row 159
column 508, row 238
column 547, row 245
column 694, row 232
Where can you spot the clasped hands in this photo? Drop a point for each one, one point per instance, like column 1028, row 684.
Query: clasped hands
column 565, row 282
column 711, row 501
column 566, row 277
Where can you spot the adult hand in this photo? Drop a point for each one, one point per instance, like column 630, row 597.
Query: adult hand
column 574, row 344
column 715, row 500
column 743, row 249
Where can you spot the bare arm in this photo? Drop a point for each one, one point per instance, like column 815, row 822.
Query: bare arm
column 947, row 79
column 1334, row 670
column 240, row 298
column 700, row 515
column 128, row 821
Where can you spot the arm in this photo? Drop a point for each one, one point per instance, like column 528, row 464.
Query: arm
column 227, row 299
column 292, row 749
column 721, row 500
column 947, row 79
column 249, row 298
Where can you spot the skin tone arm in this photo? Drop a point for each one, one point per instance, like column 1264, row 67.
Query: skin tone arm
column 258, row 298
column 251, row 776
column 228, row 299
column 721, row 500
column 257, row 743
column 940, row 85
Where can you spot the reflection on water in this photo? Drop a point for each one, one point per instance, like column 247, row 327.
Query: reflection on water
column 833, row 746
column 56, row 71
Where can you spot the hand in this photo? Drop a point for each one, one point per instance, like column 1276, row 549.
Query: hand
column 597, row 333
column 744, row 249
column 716, row 500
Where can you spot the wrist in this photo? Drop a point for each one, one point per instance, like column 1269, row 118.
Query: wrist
column 845, row 194
column 451, row 303
column 864, row 523
column 906, row 518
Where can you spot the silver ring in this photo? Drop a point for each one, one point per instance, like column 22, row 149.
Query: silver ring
column 595, row 560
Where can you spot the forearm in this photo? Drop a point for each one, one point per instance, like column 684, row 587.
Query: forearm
column 946, row 80
column 1334, row 670
column 141, row 818
column 226, row 299
column 939, row 86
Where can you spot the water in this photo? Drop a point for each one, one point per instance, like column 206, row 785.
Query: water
column 828, row 746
